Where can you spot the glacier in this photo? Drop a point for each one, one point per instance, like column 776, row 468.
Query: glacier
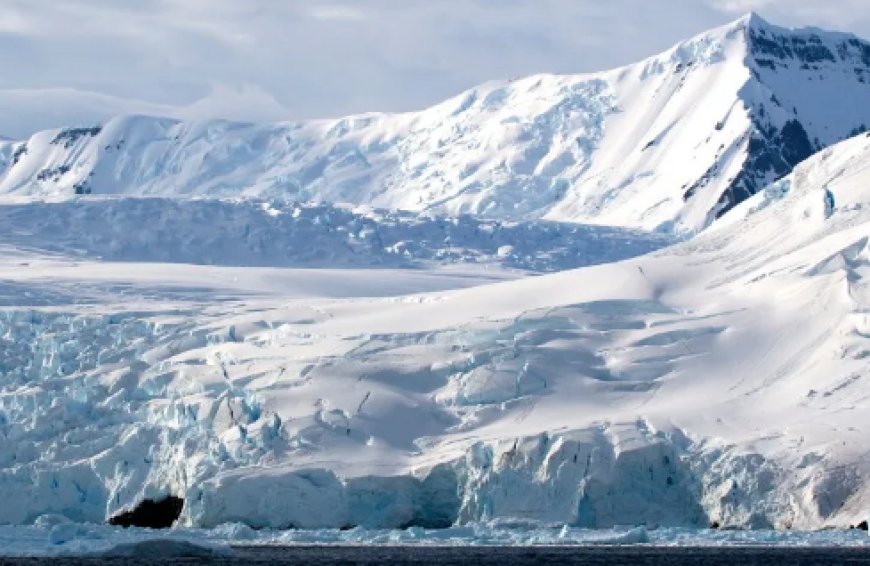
column 509, row 319
column 715, row 381
column 253, row 233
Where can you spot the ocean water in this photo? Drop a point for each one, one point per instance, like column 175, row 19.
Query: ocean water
column 478, row 544
column 424, row 555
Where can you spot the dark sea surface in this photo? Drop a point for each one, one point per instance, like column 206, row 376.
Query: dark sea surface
column 329, row 555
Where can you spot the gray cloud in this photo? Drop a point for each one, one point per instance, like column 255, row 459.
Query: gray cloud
column 268, row 60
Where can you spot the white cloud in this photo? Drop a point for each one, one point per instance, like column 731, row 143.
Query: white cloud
column 245, row 103
column 13, row 21
column 336, row 13
column 740, row 6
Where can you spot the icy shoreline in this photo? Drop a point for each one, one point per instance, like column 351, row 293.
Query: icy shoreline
column 68, row 539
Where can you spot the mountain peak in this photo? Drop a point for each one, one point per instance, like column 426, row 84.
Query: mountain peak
column 753, row 20
column 808, row 48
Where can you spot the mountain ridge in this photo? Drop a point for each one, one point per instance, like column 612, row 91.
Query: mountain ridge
column 669, row 143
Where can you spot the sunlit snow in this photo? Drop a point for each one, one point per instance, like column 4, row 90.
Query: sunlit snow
column 341, row 373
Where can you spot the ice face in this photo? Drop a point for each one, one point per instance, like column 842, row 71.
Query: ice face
column 93, row 418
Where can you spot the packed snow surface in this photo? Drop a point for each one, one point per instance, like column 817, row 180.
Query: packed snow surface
column 669, row 143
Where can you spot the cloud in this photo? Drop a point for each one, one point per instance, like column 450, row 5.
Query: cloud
column 336, row 12
column 29, row 110
column 246, row 103
column 740, row 6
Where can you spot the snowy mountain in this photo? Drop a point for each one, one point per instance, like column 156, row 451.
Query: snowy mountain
column 237, row 325
column 670, row 142
column 718, row 381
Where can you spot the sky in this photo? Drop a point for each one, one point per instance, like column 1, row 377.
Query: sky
column 80, row 61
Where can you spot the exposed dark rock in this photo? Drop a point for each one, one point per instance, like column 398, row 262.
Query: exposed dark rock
column 761, row 44
column 766, row 63
column 69, row 137
column 164, row 549
column 862, row 48
column 82, row 188
column 159, row 514
column 771, row 155
column 809, row 51
column 794, row 143
column 20, row 152
column 52, row 174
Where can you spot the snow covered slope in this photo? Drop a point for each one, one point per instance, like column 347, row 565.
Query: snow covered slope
column 719, row 380
column 670, row 142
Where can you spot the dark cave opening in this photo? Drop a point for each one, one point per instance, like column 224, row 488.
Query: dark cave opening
column 152, row 514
